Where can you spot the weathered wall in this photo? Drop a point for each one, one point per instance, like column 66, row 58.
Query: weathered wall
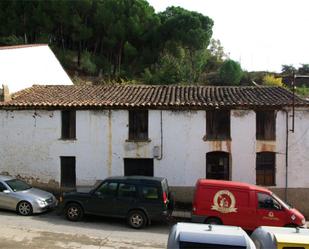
column 30, row 146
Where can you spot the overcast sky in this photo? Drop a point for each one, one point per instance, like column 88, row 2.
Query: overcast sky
column 260, row 34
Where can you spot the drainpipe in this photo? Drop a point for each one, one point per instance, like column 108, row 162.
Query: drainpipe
column 286, row 155
column 161, row 136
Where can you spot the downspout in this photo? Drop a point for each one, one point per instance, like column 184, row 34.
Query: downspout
column 286, row 155
column 161, row 136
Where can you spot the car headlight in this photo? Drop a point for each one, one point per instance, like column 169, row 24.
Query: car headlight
column 42, row 203
column 303, row 221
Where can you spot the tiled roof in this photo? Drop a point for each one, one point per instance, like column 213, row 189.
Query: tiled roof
column 146, row 96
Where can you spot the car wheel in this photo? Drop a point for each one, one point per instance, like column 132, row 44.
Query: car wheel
column 74, row 212
column 213, row 221
column 137, row 219
column 24, row 208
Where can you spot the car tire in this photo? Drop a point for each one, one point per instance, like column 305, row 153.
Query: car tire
column 24, row 208
column 137, row 219
column 74, row 212
column 213, row 221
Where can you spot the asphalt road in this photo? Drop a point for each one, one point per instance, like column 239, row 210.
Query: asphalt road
column 53, row 231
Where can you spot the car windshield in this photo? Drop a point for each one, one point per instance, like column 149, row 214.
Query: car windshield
column 17, row 185
column 282, row 203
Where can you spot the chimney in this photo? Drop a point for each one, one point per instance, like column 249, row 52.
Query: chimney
column 4, row 93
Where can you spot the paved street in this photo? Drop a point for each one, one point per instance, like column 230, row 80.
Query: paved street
column 53, row 231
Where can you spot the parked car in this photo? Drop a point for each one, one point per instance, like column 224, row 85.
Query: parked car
column 19, row 196
column 280, row 238
column 241, row 204
column 139, row 199
column 190, row 235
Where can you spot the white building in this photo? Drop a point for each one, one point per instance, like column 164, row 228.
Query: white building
column 22, row 66
column 63, row 136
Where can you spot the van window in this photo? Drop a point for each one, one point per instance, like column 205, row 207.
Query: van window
column 150, row 193
column 265, row 201
column 193, row 245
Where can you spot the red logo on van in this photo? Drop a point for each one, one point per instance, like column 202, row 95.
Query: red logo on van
column 224, row 202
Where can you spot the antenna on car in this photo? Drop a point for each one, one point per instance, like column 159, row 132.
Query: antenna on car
column 209, row 227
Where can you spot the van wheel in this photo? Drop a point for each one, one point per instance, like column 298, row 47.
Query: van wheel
column 136, row 219
column 213, row 221
column 74, row 212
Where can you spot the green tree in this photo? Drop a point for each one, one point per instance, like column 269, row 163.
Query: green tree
column 230, row 73
column 288, row 69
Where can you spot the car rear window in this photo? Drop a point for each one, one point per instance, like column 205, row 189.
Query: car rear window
column 193, row 245
column 150, row 193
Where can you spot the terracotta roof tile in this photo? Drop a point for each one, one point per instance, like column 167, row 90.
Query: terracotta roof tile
column 147, row 96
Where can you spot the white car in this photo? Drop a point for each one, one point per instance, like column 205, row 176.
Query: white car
column 19, row 196
column 191, row 235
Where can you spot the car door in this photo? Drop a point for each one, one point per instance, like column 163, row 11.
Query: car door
column 102, row 199
column 126, row 199
column 269, row 211
column 7, row 200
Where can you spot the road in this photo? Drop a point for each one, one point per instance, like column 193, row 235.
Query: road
column 53, row 231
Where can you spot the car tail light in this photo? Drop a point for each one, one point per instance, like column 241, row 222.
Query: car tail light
column 164, row 198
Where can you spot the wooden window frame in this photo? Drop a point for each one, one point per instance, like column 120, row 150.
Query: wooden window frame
column 218, row 125
column 138, row 125
column 211, row 160
column 266, row 169
column 68, row 124
column 265, row 125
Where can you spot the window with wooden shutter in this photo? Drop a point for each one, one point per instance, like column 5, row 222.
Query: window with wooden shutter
column 218, row 125
column 138, row 125
column 265, row 168
column 68, row 124
column 265, row 125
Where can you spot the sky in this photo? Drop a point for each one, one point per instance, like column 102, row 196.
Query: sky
column 262, row 35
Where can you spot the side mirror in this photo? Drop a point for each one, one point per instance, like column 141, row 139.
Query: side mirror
column 6, row 191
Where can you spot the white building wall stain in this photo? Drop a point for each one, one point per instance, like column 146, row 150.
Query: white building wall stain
column 30, row 145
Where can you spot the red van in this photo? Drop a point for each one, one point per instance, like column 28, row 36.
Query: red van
column 241, row 204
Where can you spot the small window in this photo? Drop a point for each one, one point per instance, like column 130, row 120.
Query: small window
column 218, row 125
column 265, row 125
column 265, row 168
column 2, row 187
column 68, row 124
column 107, row 189
column 138, row 125
column 150, row 193
column 265, row 201
column 126, row 190
column 68, row 174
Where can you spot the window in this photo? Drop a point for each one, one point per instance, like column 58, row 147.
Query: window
column 218, row 125
column 265, row 201
column 127, row 190
column 265, row 168
column 265, row 125
column 138, row 125
column 138, row 166
column 2, row 187
column 150, row 193
column 68, row 175
column 68, row 124
column 107, row 189
column 217, row 165
column 196, row 245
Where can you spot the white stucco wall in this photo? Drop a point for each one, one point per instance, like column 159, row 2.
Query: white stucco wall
column 30, row 145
